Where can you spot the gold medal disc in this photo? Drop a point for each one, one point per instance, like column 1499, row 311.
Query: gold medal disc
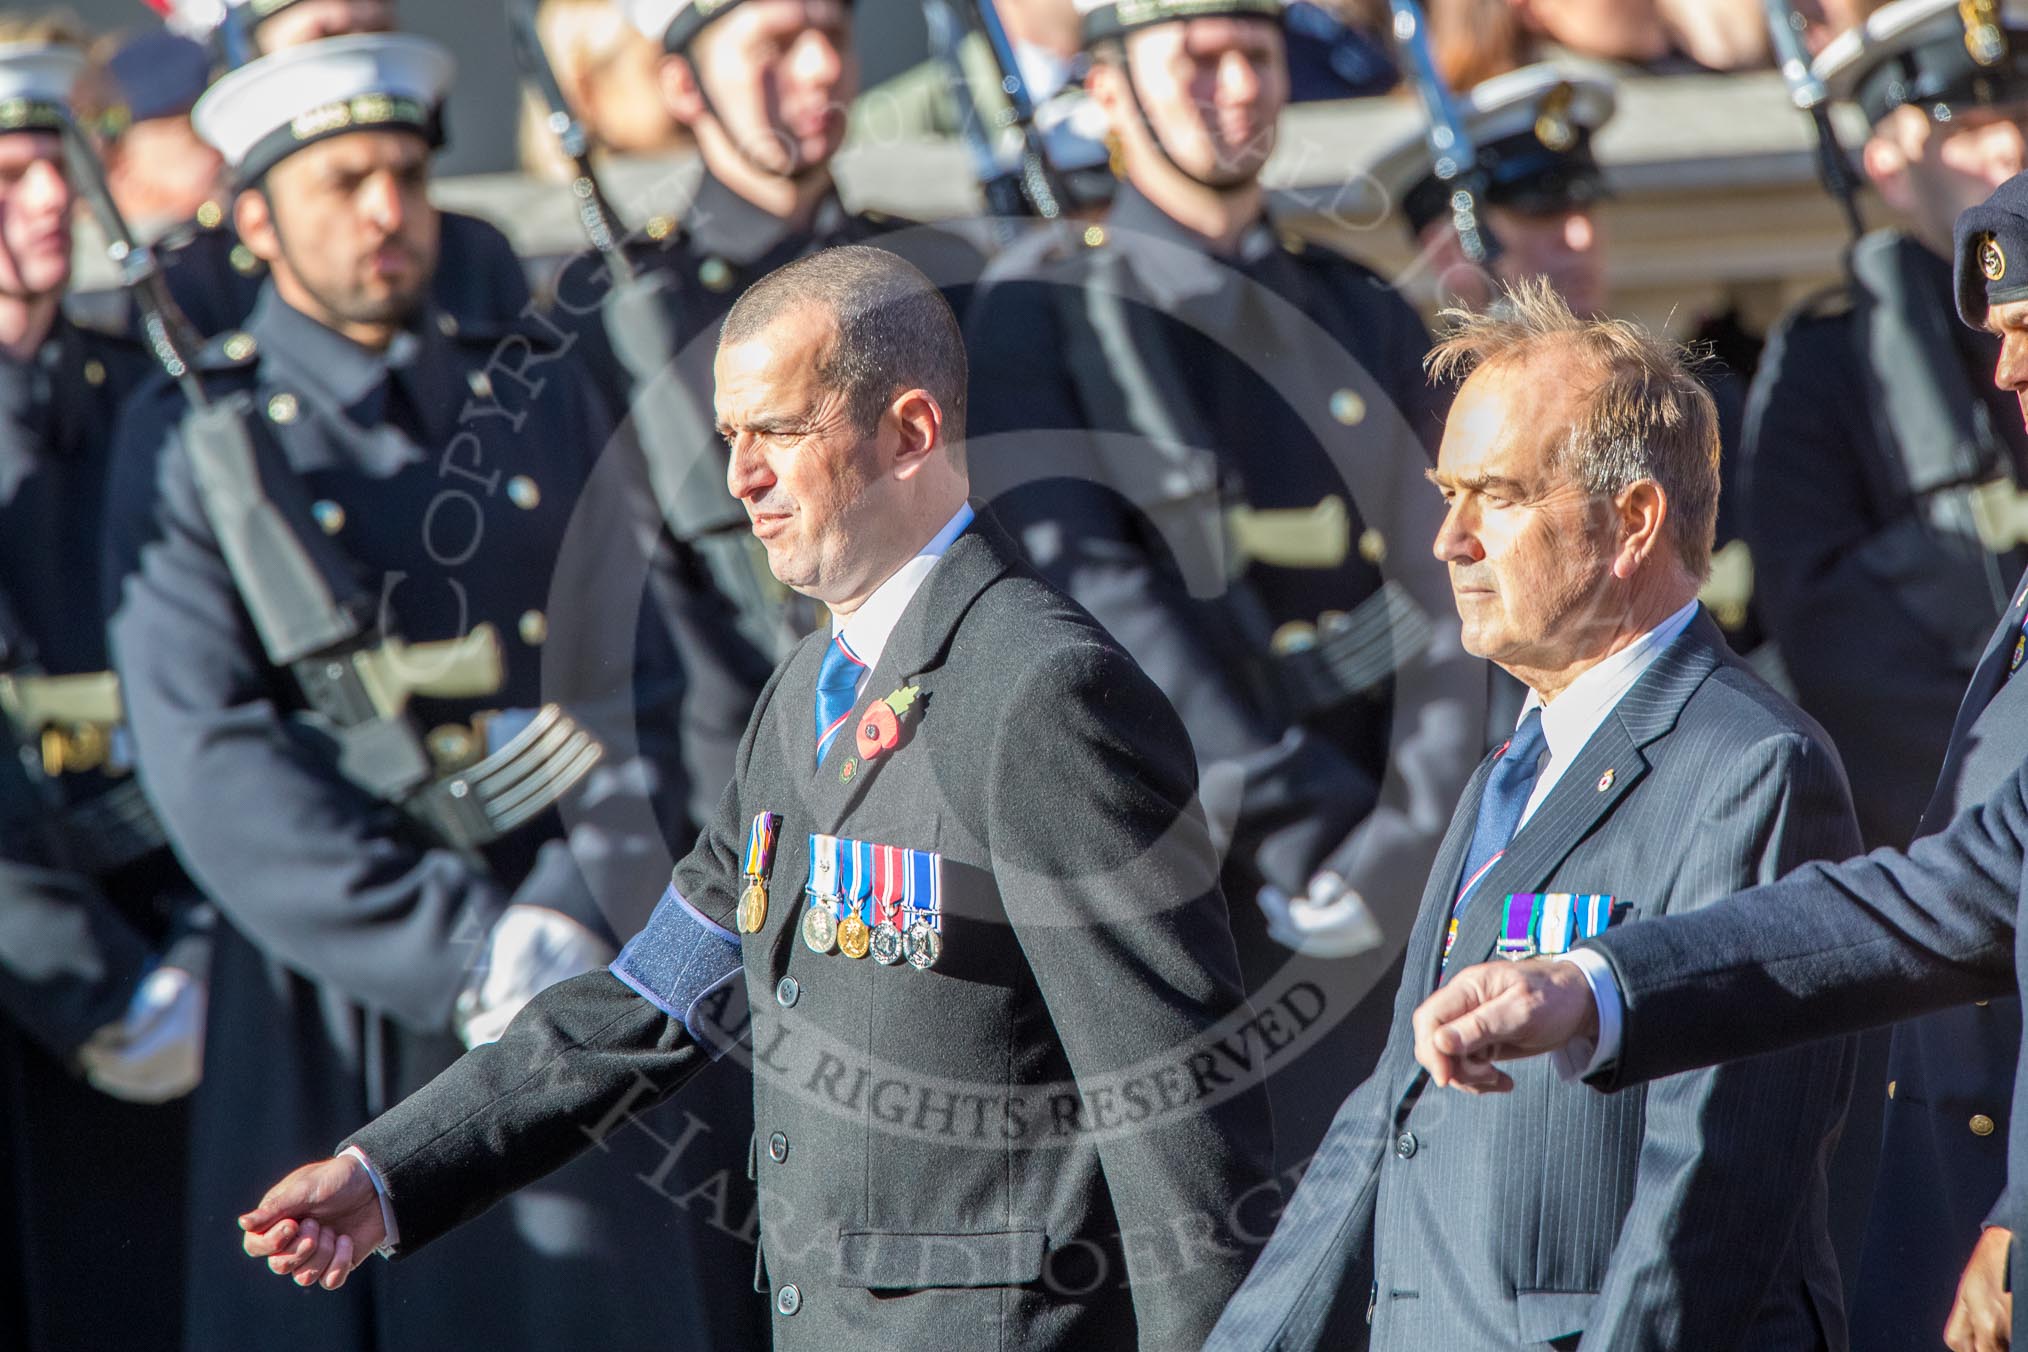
column 753, row 906
column 855, row 940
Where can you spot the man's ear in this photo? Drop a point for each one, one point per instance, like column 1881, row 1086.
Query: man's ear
column 919, row 421
column 254, row 220
column 681, row 94
column 1643, row 511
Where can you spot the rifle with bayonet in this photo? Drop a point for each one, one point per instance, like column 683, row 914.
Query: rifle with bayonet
column 1030, row 186
column 594, row 211
column 1807, row 92
column 1454, row 157
column 313, row 617
column 1954, row 463
column 685, row 462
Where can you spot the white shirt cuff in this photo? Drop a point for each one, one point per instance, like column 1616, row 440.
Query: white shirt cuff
column 1579, row 1059
column 387, row 1247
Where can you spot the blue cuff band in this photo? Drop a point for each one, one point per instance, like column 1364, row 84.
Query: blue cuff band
column 688, row 967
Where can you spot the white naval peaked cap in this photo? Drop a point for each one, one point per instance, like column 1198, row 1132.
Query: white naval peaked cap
column 1533, row 130
column 1930, row 53
column 36, row 82
column 268, row 109
column 675, row 23
column 1101, row 19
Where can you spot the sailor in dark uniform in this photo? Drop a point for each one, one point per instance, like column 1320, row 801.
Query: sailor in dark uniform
column 216, row 278
column 101, row 950
column 762, row 85
column 406, row 841
column 1882, row 494
column 1213, row 435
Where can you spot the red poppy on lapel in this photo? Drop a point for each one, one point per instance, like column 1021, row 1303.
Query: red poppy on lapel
column 882, row 726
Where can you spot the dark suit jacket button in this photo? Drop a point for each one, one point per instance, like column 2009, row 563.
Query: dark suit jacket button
column 1405, row 1145
column 788, row 1300
column 787, row 992
column 778, row 1150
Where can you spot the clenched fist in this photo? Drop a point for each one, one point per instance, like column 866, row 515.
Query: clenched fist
column 318, row 1223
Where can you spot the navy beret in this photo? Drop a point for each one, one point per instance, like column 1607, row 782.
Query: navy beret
column 158, row 74
column 1990, row 249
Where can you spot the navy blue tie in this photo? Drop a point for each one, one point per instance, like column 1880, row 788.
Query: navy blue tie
column 837, row 691
column 1508, row 785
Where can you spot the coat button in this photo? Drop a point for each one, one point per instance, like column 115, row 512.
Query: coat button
column 1405, row 1145
column 1982, row 1125
column 778, row 1147
column 788, row 1300
column 787, row 992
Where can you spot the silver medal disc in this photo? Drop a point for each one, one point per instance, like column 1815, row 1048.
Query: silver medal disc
column 888, row 945
column 924, row 946
column 820, row 927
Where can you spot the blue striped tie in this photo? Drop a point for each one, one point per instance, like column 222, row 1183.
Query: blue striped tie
column 837, row 691
column 1508, row 786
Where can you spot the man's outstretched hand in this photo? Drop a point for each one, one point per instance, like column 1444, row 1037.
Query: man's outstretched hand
column 318, row 1223
column 1501, row 1011
column 1982, row 1316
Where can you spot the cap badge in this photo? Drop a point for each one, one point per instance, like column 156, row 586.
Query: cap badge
column 1985, row 38
column 1552, row 120
column 1992, row 261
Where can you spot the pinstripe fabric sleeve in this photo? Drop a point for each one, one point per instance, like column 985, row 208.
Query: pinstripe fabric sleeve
column 1719, row 1143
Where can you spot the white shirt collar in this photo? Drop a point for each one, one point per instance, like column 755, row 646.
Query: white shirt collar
column 1569, row 720
column 865, row 635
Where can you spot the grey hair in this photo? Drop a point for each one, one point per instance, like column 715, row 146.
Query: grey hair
column 1647, row 416
column 895, row 331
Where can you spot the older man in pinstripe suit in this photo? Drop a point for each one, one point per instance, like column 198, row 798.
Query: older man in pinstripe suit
column 1651, row 772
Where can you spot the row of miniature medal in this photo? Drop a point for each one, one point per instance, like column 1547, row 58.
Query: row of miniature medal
column 873, row 899
column 864, row 898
